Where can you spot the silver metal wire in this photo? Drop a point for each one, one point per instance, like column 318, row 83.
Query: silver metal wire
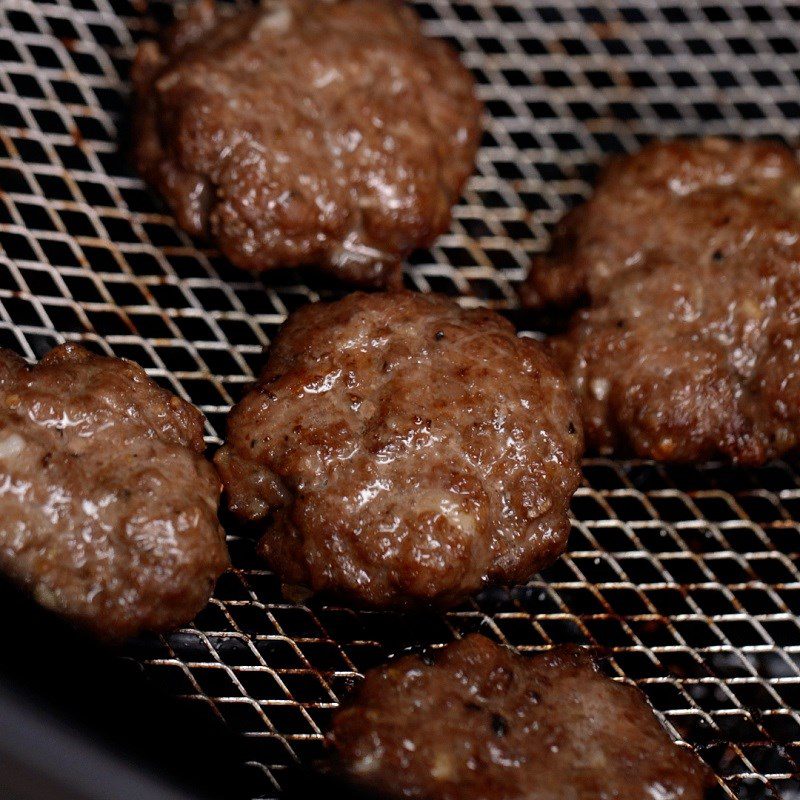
column 685, row 578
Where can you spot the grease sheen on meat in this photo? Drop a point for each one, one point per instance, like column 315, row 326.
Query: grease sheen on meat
column 478, row 721
column 689, row 256
column 304, row 132
column 108, row 509
column 399, row 450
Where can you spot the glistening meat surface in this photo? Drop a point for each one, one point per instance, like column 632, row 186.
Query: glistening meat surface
column 688, row 255
column 303, row 132
column 477, row 721
column 398, row 450
column 108, row 508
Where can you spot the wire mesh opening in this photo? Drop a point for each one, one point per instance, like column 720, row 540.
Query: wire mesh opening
column 685, row 578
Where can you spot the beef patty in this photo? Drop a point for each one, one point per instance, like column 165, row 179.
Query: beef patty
column 478, row 721
column 688, row 255
column 108, row 509
column 298, row 131
column 398, row 450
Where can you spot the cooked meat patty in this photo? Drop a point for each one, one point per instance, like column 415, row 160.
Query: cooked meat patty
column 689, row 257
column 479, row 721
column 398, row 450
column 108, row 509
column 298, row 131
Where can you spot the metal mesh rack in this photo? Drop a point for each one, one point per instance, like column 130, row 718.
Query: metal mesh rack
column 686, row 578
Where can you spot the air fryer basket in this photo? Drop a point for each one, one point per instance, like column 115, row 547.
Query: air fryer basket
column 685, row 578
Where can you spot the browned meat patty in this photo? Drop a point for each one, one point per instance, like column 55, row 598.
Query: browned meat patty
column 295, row 132
column 689, row 257
column 398, row 450
column 482, row 722
column 108, row 509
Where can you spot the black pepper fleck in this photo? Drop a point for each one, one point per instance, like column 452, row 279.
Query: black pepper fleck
column 571, row 427
column 499, row 725
column 439, row 336
column 717, row 255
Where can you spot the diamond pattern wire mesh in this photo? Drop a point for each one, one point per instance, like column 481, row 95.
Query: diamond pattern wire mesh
column 685, row 578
